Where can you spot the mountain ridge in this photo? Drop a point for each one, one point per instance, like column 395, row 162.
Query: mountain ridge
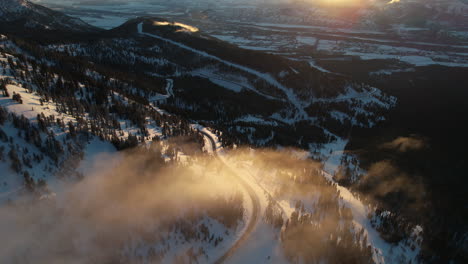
column 24, row 16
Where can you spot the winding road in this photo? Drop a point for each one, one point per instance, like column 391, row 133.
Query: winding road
column 255, row 204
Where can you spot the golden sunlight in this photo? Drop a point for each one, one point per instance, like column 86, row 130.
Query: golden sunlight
column 186, row 28
column 339, row 3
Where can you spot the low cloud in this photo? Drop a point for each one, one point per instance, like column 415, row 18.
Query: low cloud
column 385, row 180
column 95, row 219
column 404, row 144
column 113, row 211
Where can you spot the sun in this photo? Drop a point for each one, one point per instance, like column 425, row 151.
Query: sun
column 339, row 3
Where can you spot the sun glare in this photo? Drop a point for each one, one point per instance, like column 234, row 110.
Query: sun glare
column 185, row 28
column 339, row 3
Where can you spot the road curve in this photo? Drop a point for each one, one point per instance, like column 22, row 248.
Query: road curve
column 255, row 208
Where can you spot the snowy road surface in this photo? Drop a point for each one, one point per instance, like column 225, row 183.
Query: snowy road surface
column 255, row 202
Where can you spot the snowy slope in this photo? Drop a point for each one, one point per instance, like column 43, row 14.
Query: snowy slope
column 80, row 157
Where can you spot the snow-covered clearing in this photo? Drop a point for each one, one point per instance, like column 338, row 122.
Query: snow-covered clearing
column 31, row 105
column 232, row 39
column 306, row 40
column 231, row 82
column 256, row 120
column 96, row 151
column 413, row 56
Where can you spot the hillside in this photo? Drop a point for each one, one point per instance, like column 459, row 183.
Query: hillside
column 54, row 131
column 159, row 141
column 36, row 22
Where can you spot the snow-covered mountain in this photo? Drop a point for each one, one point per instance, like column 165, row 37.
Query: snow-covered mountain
column 22, row 14
column 13, row 6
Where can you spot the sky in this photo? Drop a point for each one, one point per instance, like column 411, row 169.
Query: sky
column 91, row 2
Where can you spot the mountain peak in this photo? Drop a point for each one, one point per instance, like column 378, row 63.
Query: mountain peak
column 23, row 15
column 13, row 6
